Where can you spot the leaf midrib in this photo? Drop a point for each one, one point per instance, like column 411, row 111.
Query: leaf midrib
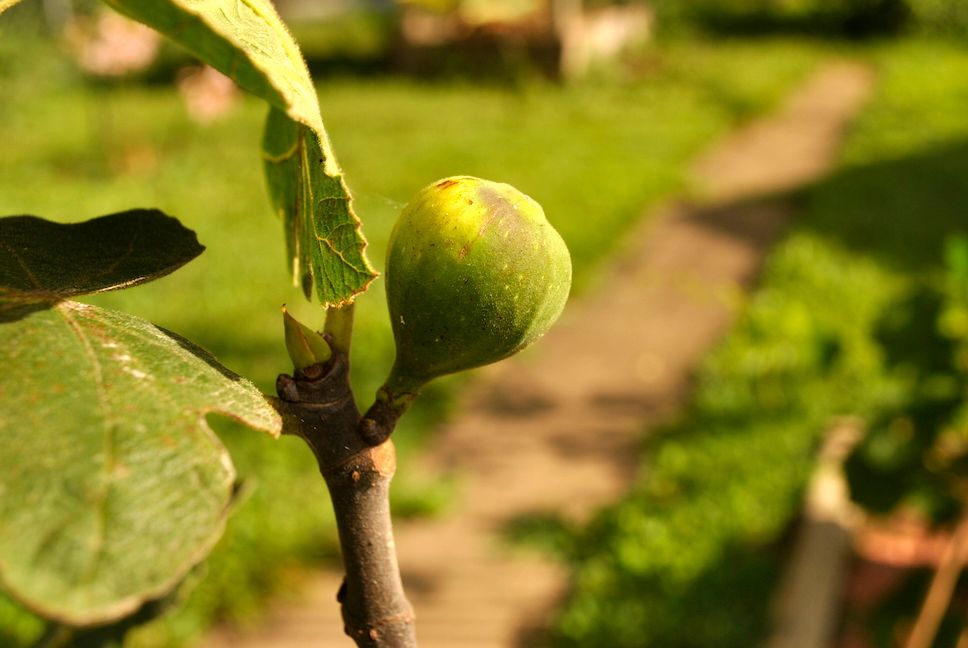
column 109, row 446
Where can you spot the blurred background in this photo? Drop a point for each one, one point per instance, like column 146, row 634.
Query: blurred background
column 596, row 109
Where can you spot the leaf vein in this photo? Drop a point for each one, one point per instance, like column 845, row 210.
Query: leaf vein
column 23, row 265
column 100, row 504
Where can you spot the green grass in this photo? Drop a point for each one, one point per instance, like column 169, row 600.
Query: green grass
column 594, row 155
column 690, row 556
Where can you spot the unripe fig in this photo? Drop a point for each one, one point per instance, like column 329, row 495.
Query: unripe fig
column 474, row 274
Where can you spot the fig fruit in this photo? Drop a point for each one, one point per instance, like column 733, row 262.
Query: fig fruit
column 474, row 273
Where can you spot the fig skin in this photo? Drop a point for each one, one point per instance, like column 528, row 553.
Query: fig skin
column 475, row 273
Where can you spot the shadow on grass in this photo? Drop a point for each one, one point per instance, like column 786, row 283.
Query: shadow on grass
column 900, row 211
column 897, row 211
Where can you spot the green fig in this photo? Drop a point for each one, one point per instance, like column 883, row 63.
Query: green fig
column 474, row 274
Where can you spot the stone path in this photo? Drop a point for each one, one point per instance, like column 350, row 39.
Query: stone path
column 557, row 429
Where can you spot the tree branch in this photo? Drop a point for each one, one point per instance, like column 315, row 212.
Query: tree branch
column 376, row 612
column 938, row 598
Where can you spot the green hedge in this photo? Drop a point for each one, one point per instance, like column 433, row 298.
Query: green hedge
column 941, row 16
column 690, row 557
column 851, row 18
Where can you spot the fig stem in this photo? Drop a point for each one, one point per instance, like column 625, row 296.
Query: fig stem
column 381, row 418
column 379, row 422
column 318, row 399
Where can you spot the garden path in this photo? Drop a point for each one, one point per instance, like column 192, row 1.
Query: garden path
column 557, row 429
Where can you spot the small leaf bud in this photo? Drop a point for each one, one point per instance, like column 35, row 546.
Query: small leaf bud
column 306, row 347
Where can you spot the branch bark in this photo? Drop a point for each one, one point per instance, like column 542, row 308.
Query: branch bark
column 376, row 612
column 942, row 587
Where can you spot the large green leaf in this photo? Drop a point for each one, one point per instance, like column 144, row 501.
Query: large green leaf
column 112, row 486
column 246, row 40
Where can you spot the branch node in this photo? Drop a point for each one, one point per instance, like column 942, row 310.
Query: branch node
column 357, row 461
column 371, row 432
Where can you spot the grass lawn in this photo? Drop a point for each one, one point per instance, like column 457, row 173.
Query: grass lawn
column 595, row 155
column 689, row 558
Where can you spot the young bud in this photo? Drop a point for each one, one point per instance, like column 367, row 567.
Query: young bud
column 305, row 346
